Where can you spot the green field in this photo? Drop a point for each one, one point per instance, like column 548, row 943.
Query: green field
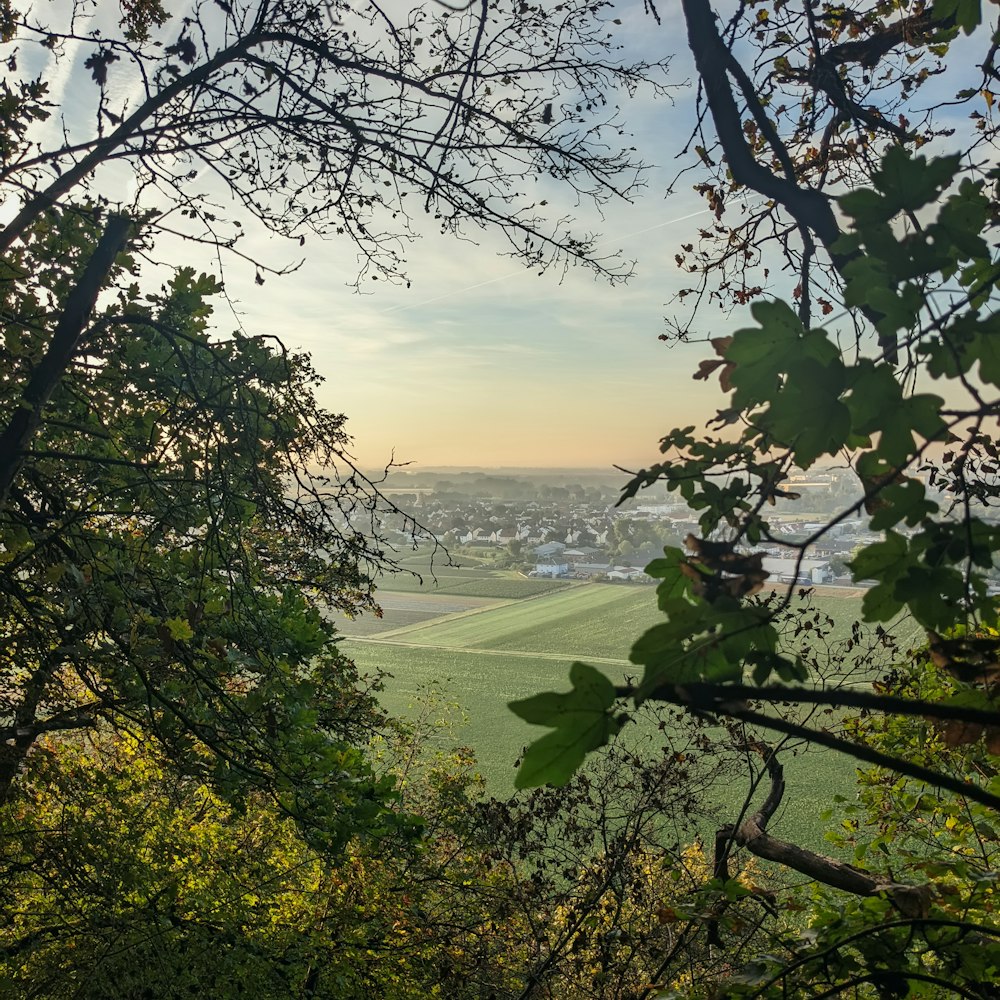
column 597, row 620
column 402, row 610
column 506, row 587
column 481, row 683
column 480, row 654
column 442, row 578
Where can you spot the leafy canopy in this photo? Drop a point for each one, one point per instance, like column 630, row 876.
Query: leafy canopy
column 795, row 398
column 168, row 545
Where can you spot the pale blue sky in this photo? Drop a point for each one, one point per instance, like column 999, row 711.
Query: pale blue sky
column 480, row 362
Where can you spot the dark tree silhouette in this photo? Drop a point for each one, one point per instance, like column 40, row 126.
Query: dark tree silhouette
column 342, row 119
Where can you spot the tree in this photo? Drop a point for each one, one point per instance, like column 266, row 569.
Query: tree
column 121, row 879
column 808, row 100
column 168, row 547
column 907, row 251
column 941, row 936
column 322, row 117
column 177, row 511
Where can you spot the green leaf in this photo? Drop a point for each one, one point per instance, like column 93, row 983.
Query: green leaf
column 591, row 692
column 904, row 501
column 882, row 560
column 987, row 349
column 582, row 722
column 866, row 206
column 875, row 395
column 968, row 15
column 555, row 758
column 879, row 604
column 808, row 415
column 777, row 315
column 962, row 219
column 675, row 584
column 914, row 181
column 541, row 709
column 760, row 355
column 864, row 274
column 933, row 595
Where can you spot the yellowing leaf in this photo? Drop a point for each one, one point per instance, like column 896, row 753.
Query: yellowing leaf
column 179, row 628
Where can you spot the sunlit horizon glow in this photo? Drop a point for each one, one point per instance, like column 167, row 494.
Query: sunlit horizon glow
column 479, row 363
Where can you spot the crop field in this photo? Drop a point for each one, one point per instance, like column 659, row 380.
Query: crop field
column 401, row 610
column 429, row 567
column 822, row 622
column 478, row 684
column 476, row 580
column 477, row 654
column 503, row 587
column 597, row 620
column 427, row 583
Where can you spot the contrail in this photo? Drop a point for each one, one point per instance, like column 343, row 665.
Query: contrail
column 514, row 274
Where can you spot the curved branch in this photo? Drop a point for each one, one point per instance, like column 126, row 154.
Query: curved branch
column 66, row 181
column 863, row 753
column 752, row 834
column 809, row 208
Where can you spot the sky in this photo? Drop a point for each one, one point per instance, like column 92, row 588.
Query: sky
column 480, row 362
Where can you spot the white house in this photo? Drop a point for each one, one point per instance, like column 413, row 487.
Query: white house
column 550, row 569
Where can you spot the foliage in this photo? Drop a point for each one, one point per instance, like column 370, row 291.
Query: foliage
column 947, row 940
column 167, row 547
column 798, row 398
column 799, row 104
column 612, row 871
column 908, row 255
column 122, row 879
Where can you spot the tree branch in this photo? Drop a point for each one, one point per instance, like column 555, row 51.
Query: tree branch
column 752, row 834
column 716, row 697
column 24, row 422
column 810, row 209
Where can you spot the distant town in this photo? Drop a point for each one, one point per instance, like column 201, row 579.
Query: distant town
column 563, row 525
